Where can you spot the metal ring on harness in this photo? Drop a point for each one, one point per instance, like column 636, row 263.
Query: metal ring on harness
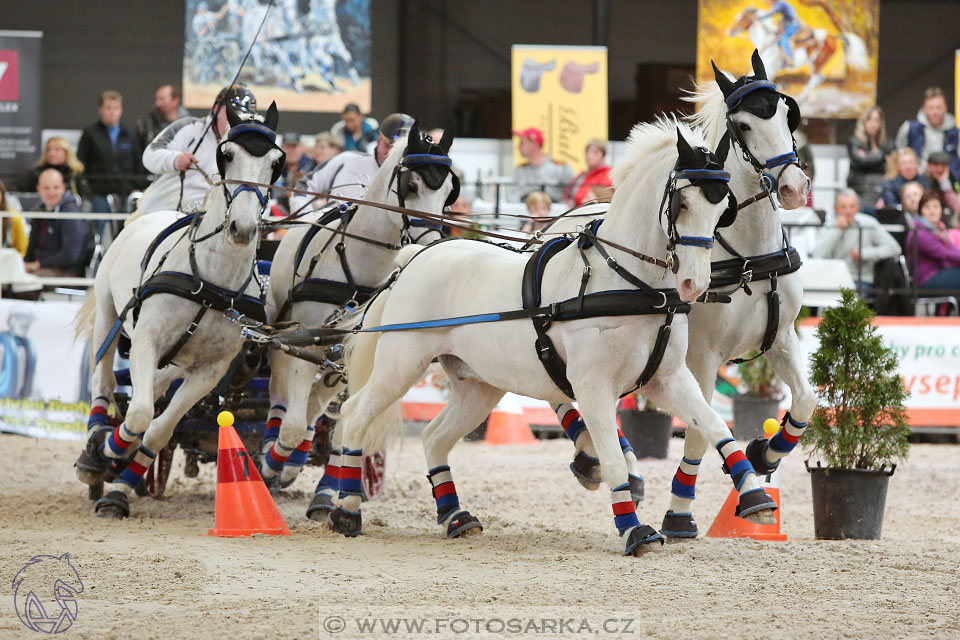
column 199, row 289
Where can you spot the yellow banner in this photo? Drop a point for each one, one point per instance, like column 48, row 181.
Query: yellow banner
column 562, row 91
column 956, row 81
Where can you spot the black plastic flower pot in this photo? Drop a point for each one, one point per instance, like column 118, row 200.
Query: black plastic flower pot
column 749, row 412
column 648, row 431
column 848, row 503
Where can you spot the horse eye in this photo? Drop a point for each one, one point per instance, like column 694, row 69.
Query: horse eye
column 743, row 126
column 413, row 188
column 684, row 207
column 228, row 156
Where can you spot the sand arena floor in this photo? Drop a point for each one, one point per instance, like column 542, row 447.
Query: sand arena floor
column 548, row 554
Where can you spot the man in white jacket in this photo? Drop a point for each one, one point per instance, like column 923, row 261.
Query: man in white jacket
column 175, row 150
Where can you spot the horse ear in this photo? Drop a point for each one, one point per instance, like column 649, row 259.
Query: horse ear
column 723, row 149
column 725, row 83
column 758, row 71
column 447, row 140
column 414, row 135
column 685, row 154
column 273, row 116
column 233, row 118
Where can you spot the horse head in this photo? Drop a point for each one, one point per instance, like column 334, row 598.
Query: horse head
column 248, row 151
column 424, row 172
column 761, row 120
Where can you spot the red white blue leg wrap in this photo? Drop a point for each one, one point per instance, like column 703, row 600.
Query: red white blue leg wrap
column 735, row 461
column 330, row 482
column 789, row 435
column 624, row 513
column 444, row 492
column 99, row 416
column 132, row 476
column 685, row 479
column 298, row 457
column 351, row 469
column 274, row 420
column 570, row 419
column 117, row 444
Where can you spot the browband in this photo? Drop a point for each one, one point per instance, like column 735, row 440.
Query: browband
column 734, row 98
column 703, row 174
column 426, row 158
column 251, row 127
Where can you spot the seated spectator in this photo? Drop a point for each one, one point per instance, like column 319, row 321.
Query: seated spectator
column 166, row 110
column 296, row 165
column 860, row 248
column 111, row 153
column 13, row 234
column 539, row 172
column 929, row 132
column 59, row 154
column 904, row 170
column 935, row 261
column 910, row 195
column 326, row 147
column 938, row 174
column 354, row 132
column 57, row 247
column 538, row 205
column 596, row 175
column 868, row 148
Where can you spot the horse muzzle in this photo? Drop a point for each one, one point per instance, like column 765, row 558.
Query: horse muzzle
column 241, row 235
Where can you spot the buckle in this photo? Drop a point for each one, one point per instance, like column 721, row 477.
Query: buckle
column 662, row 304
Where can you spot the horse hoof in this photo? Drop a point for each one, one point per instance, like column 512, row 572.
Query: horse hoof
column 345, row 522
column 85, row 476
column 756, row 506
column 464, row 525
column 642, row 539
column 679, row 527
column 586, row 469
column 756, row 458
column 91, row 465
column 636, row 489
column 320, row 508
column 113, row 505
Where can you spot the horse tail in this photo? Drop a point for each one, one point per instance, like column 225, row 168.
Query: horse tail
column 855, row 51
column 359, row 352
column 85, row 318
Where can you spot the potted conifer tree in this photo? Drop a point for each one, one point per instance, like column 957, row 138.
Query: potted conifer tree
column 859, row 431
column 759, row 397
column 647, row 429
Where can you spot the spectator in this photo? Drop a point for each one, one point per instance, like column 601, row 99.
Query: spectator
column 905, row 169
column 354, row 132
column 597, row 174
column 539, row 171
column 930, row 130
column 296, row 165
column 910, row 195
column 538, row 205
column 868, row 148
column 57, row 247
column 855, row 238
column 937, row 263
column 111, row 153
column 435, row 134
column 326, row 147
column 938, row 174
column 166, row 110
column 176, row 150
column 58, row 154
column 13, row 235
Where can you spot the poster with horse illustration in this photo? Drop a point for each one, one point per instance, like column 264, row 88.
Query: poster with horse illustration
column 309, row 56
column 821, row 52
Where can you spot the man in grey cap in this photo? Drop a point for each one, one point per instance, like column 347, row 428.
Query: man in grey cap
column 349, row 173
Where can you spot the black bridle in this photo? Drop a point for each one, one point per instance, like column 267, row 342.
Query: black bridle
column 419, row 162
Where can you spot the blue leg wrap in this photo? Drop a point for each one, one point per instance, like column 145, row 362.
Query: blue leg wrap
column 350, row 473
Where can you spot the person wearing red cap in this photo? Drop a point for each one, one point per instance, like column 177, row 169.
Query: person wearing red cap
column 539, row 172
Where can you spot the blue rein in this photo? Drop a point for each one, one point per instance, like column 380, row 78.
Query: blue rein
column 246, row 187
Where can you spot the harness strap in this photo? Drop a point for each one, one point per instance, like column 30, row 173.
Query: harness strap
column 184, row 337
column 773, row 316
column 656, row 354
column 329, row 292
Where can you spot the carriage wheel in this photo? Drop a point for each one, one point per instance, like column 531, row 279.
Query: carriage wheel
column 156, row 481
column 372, row 475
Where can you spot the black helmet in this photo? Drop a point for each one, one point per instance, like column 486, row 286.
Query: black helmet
column 395, row 125
column 238, row 97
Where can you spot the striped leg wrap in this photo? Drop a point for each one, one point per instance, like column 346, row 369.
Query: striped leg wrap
column 685, row 479
column 299, row 456
column 133, row 474
column 274, row 420
column 330, row 481
column 735, row 461
column 624, row 443
column 624, row 513
column 785, row 440
column 277, row 457
column 444, row 492
column 118, row 443
column 99, row 417
column 351, row 461
column 570, row 420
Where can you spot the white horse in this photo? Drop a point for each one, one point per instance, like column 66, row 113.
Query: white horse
column 719, row 332
column 315, row 277
column 816, row 50
column 218, row 252
column 605, row 356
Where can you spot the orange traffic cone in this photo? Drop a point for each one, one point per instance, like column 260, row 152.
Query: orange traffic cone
column 507, row 424
column 244, row 504
column 727, row 525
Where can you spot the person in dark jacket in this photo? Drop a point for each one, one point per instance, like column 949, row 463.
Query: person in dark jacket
column 907, row 170
column 166, row 110
column 111, row 153
column 868, row 148
column 57, row 246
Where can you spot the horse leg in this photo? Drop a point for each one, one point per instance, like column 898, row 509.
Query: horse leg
column 678, row 523
column 316, row 403
column 786, row 359
column 327, row 490
column 294, row 432
column 680, row 395
column 278, row 400
column 470, row 401
column 598, row 406
column 586, row 466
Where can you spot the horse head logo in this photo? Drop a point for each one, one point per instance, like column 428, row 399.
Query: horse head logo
column 45, row 593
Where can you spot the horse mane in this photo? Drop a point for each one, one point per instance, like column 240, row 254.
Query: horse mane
column 711, row 110
column 649, row 138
